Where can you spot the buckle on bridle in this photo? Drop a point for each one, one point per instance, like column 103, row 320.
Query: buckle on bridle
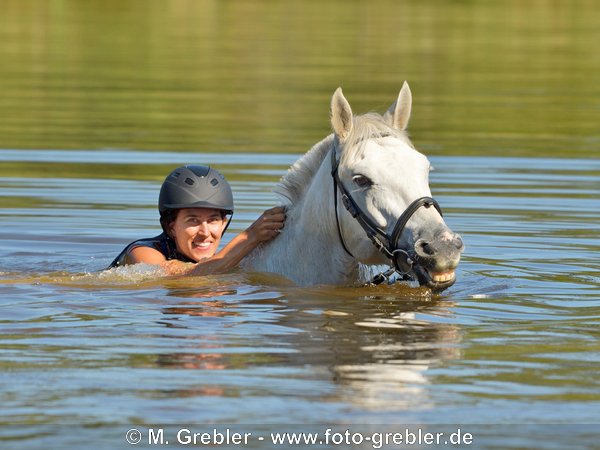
column 349, row 206
column 402, row 261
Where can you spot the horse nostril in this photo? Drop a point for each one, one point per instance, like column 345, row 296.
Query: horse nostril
column 458, row 242
column 425, row 248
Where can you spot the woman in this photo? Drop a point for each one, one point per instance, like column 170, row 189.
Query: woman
column 195, row 205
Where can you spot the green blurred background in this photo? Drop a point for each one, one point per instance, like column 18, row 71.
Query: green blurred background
column 488, row 77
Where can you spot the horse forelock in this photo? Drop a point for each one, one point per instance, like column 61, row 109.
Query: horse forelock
column 365, row 127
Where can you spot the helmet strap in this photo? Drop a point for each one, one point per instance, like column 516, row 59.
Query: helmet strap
column 227, row 226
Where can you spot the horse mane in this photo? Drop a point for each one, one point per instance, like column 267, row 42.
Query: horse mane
column 293, row 184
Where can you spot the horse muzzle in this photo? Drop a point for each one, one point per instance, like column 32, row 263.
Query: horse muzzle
column 436, row 259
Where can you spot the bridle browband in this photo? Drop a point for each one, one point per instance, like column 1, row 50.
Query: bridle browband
column 385, row 243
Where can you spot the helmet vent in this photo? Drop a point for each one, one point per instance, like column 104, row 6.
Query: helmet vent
column 189, row 181
column 214, row 182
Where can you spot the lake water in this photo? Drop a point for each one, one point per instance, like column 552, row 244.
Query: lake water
column 101, row 99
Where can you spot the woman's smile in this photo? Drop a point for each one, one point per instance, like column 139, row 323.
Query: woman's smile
column 201, row 245
column 204, row 249
column 197, row 232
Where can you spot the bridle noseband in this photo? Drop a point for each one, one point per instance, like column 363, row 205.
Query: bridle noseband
column 385, row 243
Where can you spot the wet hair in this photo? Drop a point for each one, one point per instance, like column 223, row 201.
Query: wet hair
column 167, row 217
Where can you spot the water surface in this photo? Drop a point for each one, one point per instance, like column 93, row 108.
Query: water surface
column 514, row 341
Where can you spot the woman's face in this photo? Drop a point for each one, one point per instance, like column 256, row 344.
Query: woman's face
column 197, row 232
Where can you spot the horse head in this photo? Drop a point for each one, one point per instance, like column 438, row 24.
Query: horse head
column 383, row 182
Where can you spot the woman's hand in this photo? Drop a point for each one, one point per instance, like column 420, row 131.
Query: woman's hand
column 268, row 225
column 265, row 228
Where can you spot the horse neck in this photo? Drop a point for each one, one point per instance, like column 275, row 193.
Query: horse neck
column 309, row 250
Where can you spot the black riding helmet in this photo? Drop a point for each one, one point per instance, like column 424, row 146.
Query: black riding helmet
column 194, row 186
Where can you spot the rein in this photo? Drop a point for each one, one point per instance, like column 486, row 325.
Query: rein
column 387, row 244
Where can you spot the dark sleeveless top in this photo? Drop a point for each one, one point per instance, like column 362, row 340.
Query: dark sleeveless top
column 162, row 243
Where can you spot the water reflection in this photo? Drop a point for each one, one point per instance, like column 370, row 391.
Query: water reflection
column 394, row 375
column 200, row 309
column 376, row 344
column 205, row 347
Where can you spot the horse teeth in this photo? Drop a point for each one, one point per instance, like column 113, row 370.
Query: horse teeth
column 441, row 277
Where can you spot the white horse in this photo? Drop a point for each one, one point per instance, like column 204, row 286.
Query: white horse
column 358, row 198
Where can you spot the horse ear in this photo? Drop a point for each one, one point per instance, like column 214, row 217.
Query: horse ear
column 341, row 114
column 399, row 113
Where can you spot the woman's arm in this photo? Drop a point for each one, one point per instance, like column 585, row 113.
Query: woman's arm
column 144, row 255
column 265, row 228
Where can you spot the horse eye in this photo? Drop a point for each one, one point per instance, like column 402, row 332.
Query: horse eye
column 362, row 181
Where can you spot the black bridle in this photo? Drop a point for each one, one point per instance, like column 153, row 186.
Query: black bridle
column 385, row 243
